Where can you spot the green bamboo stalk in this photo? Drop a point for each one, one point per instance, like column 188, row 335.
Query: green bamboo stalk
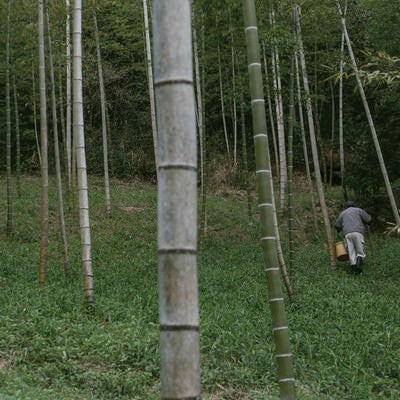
column 290, row 171
column 10, row 212
column 17, row 139
column 57, row 160
column 264, row 188
column 44, row 153
column 103, row 102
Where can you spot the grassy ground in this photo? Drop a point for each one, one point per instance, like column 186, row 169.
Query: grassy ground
column 345, row 329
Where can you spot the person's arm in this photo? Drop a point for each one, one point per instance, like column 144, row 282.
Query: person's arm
column 338, row 224
column 366, row 217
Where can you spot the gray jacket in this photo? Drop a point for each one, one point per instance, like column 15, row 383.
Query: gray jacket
column 352, row 219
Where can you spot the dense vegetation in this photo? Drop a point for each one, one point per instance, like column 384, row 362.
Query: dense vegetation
column 344, row 328
column 372, row 25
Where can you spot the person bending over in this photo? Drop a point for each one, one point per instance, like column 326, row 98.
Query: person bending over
column 351, row 222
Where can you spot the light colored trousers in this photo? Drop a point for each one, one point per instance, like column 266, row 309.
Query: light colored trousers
column 355, row 246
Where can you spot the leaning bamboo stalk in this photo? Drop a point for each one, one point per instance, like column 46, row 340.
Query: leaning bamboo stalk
column 264, row 187
column 177, row 200
column 57, row 151
column 103, row 114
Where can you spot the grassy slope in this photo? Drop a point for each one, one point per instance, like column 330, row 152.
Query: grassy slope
column 345, row 330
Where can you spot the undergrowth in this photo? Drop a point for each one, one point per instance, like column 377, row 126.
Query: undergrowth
column 345, row 329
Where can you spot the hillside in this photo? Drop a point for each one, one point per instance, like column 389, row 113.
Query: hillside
column 345, row 329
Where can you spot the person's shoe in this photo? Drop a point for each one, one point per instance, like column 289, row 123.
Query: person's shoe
column 354, row 268
column 359, row 264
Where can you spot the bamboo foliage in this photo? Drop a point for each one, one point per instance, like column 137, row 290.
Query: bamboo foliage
column 177, row 200
column 264, row 188
column 382, row 165
column 79, row 139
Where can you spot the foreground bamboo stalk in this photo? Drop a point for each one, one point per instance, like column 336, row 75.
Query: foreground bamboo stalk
column 264, row 187
column 177, row 200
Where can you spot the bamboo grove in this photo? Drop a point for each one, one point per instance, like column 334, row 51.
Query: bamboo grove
column 286, row 72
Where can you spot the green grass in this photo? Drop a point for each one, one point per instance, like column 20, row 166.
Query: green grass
column 345, row 329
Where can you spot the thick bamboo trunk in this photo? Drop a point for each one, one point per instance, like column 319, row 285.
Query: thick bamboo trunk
column 177, row 200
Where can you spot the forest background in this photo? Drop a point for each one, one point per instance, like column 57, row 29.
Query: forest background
column 372, row 27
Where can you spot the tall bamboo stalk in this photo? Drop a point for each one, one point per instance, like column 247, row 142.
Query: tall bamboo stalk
column 17, row 139
column 276, row 74
column 304, row 142
column 44, row 152
column 200, row 124
column 10, row 212
column 79, row 136
column 103, row 114
column 57, row 151
column 150, row 82
column 221, row 91
column 270, row 112
column 35, row 128
column 341, row 146
column 177, row 200
column 290, row 170
column 68, row 96
column 314, row 149
column 264, row 187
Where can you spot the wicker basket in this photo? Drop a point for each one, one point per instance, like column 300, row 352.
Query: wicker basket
column 341, row 252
